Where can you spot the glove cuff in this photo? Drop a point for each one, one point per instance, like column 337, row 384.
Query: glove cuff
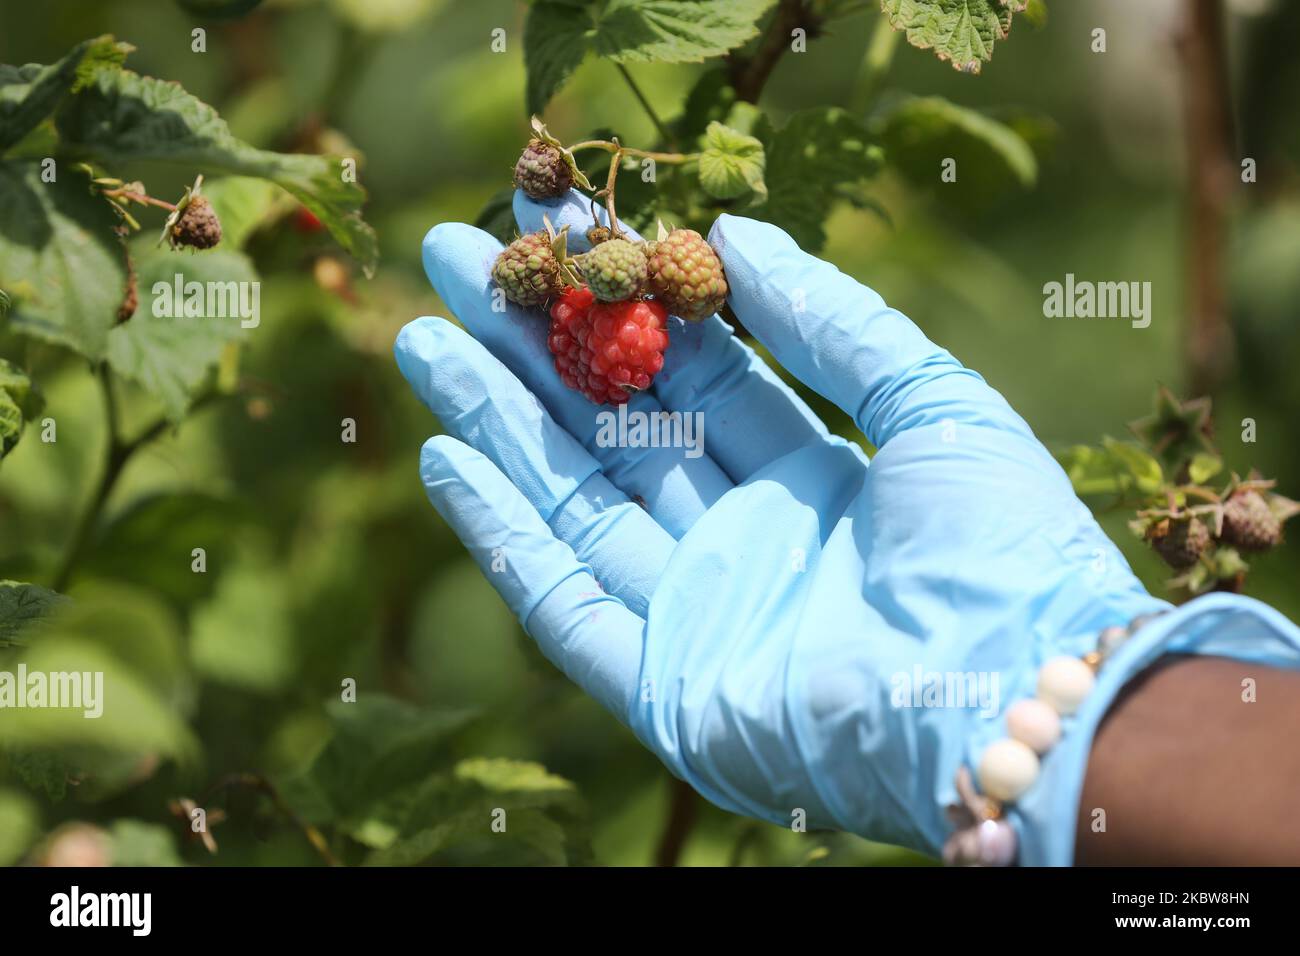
column 1220, row 625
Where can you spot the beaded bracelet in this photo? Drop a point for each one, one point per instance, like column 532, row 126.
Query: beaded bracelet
column 1008, row 767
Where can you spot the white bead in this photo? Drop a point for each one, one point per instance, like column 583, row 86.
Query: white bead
column 1064, row 682
column 1034, row 724
column 1007, row 769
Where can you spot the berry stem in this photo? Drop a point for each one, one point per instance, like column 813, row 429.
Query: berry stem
column 608, row 191
column 607, row 146
column 141, row 198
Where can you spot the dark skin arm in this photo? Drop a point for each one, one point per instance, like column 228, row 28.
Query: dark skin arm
column 1190, row 774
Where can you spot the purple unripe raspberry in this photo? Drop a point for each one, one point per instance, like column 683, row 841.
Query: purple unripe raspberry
column 542, row 171
column 198, row 225
column 527, row 270
column 1249, row 523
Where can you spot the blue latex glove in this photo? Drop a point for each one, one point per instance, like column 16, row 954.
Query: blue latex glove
column 750, row 622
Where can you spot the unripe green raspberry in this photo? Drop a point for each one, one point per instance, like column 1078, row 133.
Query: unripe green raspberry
column 527, row 270
column 542, row 172
column 685, row 274
column 615, row 270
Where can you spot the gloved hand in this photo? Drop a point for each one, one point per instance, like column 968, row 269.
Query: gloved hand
column 760, row 622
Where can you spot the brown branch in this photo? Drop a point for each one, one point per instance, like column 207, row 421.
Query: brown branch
column 684, row 807
column 750, row 74
column 1211, row 171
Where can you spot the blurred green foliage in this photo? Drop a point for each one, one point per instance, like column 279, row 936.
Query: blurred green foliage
column 324, row 561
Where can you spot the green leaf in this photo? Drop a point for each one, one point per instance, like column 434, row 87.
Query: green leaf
column 559, row 34
column 59, row 259
column 960, row 31
column 134, row 718
column 1203, row 467
column 160, row 532
column 122, row 117
column 557, row 37
column 20, row 825
column 243, row 204
column 29, row 94
column 170, row 355
column 243, row 637
column 731, row 163
column 711, row 98
column 44, row 770
column 1115, row 468
column 380, row 744
column 675, row 31
column 20, row 402
column 456, row 818
column 816, row 150
column 920, row 133
column 21, row 604
column 497, row 217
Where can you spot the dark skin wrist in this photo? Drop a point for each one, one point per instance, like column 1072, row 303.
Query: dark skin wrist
column 1191, row 774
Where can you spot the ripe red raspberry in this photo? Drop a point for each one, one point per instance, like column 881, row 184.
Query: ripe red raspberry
column 306, row 221
column 607, row 350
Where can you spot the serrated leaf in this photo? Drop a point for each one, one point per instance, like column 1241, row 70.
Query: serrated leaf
column 170, row 355
column 380, row 745
column 46, row 771
column 59, row 259
column 815, row 150
column 731, row 163
column 21, row 605
column 29, row 94
column 557, row 38
column 451, row 816
column 675, row 31
column 960, row 31
column 559, row 34
column 20, row 402
column 921, row 133
column 123, row 117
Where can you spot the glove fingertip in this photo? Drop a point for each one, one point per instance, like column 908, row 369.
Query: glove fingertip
column 455, row 248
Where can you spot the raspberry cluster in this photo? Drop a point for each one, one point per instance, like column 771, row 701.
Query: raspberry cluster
column 1203, row 533
column 609, row 306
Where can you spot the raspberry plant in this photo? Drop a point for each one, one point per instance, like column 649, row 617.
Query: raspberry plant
column 1167, row 478
column 80, row 137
